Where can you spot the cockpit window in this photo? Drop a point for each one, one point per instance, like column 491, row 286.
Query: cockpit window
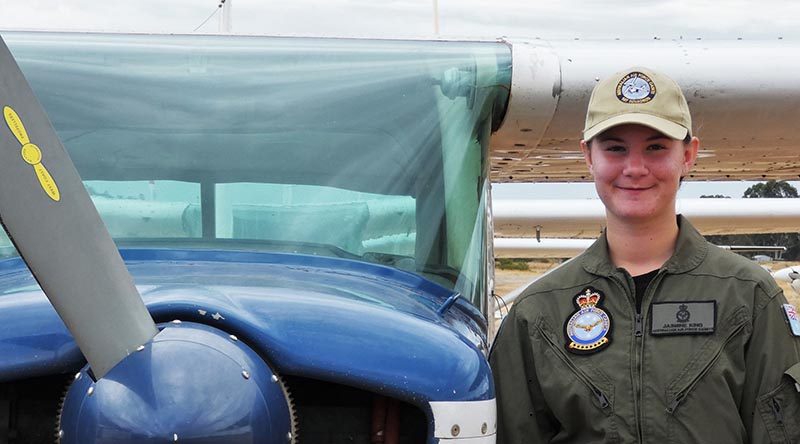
column 357, row 222
column 369, row 150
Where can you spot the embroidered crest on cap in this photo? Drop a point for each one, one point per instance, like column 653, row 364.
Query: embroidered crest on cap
column 589, row 327
column 636, row 87
column 792, row 319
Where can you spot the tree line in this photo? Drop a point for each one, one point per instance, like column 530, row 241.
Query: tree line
column 773, row 189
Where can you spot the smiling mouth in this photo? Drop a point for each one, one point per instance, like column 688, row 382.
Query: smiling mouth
column 634, row 189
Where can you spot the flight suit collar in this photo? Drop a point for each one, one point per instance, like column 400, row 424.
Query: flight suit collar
column 690, row 250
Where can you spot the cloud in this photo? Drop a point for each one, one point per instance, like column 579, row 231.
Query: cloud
column 555, row 19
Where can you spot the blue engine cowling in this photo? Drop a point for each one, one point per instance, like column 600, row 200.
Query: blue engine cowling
column 190, row 384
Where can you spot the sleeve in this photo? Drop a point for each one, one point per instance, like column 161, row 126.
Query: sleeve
column 522, row 416
column 770, row 408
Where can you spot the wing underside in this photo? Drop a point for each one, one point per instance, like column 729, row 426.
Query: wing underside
column 743, row 96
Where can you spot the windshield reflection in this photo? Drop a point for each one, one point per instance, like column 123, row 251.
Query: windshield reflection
column 369, row 150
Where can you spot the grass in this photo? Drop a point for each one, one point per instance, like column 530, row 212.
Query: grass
column 512, row 264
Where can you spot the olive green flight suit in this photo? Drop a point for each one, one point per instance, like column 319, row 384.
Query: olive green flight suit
column 737, row 384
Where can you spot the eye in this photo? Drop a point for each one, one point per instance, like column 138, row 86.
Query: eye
column 615, row 148
column 656, row 147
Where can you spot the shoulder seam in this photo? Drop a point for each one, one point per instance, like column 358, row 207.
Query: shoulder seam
column 540, row 292
column 770, row 298
column 738, row 278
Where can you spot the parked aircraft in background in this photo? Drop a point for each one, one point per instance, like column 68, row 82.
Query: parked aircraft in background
column 307, row 221
column 790, row 275
column 564, row 228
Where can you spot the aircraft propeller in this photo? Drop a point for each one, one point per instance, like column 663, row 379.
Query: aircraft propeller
column 50, row 218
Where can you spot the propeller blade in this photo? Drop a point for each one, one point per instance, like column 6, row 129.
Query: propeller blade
column 54, row 225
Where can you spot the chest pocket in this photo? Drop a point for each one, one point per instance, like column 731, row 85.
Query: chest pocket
column 780, row 408
column 582, row 404
column 691, row 394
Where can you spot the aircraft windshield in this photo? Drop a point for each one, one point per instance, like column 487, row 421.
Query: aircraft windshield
column 369, row 150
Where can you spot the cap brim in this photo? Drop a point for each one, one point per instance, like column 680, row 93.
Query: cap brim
column 666, row 127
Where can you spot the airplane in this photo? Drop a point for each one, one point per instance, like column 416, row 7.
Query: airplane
column 300, row 243
column 563, row 228
column 790, row 275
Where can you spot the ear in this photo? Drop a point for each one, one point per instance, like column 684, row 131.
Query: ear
column 587, row 154
column 690, row 155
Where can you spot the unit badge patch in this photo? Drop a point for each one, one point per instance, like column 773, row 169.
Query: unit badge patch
column 792, row 319
column 683, row 318
column 588, row 329
column 636, row 88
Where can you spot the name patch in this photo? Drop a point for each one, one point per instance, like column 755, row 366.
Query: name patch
column 683, row 318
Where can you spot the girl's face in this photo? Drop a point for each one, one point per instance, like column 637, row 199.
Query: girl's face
column 637, row 171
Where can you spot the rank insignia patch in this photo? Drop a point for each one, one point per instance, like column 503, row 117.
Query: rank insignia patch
column 588, row 329
column 792, row 319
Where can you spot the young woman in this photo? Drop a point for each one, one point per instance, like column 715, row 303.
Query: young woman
column 652, row 335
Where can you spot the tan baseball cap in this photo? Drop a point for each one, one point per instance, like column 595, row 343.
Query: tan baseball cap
column 638, row 95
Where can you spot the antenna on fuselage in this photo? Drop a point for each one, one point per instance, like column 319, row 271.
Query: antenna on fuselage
column 225, row 24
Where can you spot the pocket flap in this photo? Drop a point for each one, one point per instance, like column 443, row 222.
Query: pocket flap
column 794, row 373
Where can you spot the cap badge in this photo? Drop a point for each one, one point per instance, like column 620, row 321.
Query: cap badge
column 635, row 88
column 589, row 327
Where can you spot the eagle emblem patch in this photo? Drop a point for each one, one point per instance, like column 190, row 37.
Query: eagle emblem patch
column 636, row 88
column 588, row 329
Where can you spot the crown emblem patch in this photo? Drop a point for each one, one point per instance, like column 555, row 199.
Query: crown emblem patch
column 589, row 327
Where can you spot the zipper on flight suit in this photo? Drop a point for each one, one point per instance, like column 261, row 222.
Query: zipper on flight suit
column 638, row 333
column 638, row 328
column 684, row 392
column 777, row 410
column 601, row 397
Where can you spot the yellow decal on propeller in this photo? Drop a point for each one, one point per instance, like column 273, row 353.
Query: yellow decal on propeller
column 31, row 153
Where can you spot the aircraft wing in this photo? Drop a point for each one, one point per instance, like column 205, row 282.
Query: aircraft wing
column 585, row 218
column 529, row 248
column 743, row 96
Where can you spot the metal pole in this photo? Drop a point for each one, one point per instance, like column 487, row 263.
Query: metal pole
column 435, row 17
column 225, row 24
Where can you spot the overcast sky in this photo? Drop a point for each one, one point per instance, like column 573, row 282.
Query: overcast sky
column 409, row 18
column 552, row 19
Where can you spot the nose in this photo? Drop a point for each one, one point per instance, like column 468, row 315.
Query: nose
column 635, row 165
